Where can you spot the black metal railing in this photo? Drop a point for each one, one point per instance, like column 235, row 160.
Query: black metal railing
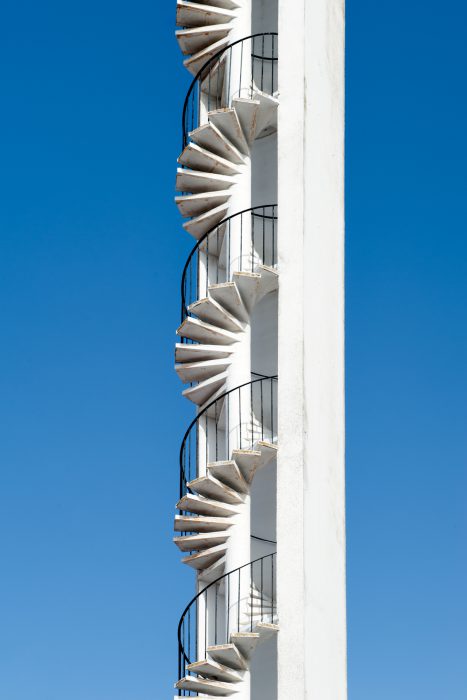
column 240, row 242
column 237, row 70
column 236, row 420
column 235, row 602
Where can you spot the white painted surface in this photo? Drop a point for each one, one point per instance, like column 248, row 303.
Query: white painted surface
column 310, row 519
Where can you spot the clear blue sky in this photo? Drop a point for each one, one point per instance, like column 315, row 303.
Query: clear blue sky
column 90, row 411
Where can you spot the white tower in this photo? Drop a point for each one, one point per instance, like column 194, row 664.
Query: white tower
column 261, row 514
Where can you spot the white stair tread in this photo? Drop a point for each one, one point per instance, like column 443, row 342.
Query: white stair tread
column 209, row 310
column 224, row 4
column 199, row 371
column 205, row 558
column 227, row 294
column 226, row 120
column 229, row 473
column 196, row 204
column 209, row 137
column 190, row 14
column 200, row 523
column 188, row 543
column 205, row 506
column 209, row 687
column 250, row 461
column 266, row 122
column 210, row 487
column 197, row 38
column 212, row 669
column 197, row 181
column 195, row 329
column 203, row 391
column 247, row 112
column 200, row 225
column 197, row 158
column 245, row 642
column 190, row 352
column 228, row 655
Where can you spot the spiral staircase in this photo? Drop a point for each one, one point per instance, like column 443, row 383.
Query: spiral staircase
column 231, row 104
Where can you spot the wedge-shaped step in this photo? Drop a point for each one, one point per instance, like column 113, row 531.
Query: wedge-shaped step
column 266, row 121
column 250, row 461
column 200, row 523
column 197, row 38
column 205, row 390
column 224, row 4
column 230, row 474
column 205, row 558
column 190, row 14
column 196, row 204
column 200, row 225
column 266, row 630
column 269, row 279
column 211, row 311
column 247, row 461
column 189, row 352
column 188, row 543
column 210, row 487
column 247, row 111
column 212, row 669
column 213, row 572
column 198, row 60
column 192, row 503
column 208, row 687
column 199, row 371
column 253, row 286
column 197, row 158
column 197, row 181
column 211, row 83
column 245, row 642
column 227, row 121
column 229, row 297
column 209, row 137
column 194, row 329
column 228, row 655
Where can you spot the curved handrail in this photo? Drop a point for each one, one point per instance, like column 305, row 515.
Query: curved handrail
column 183, row 479
column 211, row 62
column 203, row 591
column 212, row 230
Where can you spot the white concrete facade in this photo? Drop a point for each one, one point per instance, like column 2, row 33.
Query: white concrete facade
column 311, row 482
column 261, row 512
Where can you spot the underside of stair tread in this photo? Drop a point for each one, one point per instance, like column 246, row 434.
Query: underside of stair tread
column 199, row 371
column 209, row 137
column 190, row 14
column 191, row 353
column 229, row 655
column 201, row 523
column 229, row 473
column 197, row 158
column 223, row 4
column 212, row 573
column 210, row 687
column 250, row 461
column 205, row 558
column 211, row 311
column 227, row 121
column 200, row 225
column 195, row 329
column 203, row 391
column 210, row 487
column 212, row 669
column 195, row 39
column 199, row 59
column 196, row 204
column 189, row 543
column 266, row 122
column 198, row 181
column 192, row 503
